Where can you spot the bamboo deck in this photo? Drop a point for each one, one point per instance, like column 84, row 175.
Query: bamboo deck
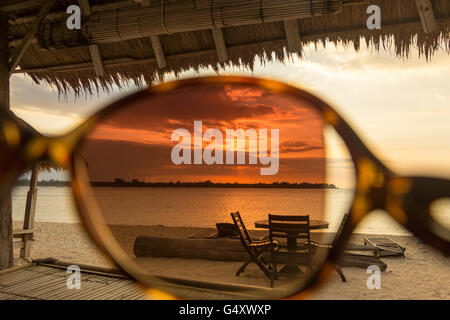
column 38, row 282
column 42, row 280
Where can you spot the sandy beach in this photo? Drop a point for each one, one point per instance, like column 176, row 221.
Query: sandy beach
column 423, row 274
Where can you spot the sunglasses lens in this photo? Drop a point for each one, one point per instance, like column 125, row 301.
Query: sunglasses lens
column 167, row 171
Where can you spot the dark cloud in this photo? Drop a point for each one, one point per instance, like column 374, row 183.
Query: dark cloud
column 297, row 146
column 181, row 107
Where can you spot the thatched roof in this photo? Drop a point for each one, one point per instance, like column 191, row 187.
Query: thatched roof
column 134, row 60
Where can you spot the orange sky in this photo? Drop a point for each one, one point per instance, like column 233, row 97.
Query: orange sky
column 135, row 143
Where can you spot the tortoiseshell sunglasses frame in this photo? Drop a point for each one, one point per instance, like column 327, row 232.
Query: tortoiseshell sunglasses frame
column 406, row 199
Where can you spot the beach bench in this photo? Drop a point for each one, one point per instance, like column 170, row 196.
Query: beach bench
column 352, row 249
column 354, row 255
column 361, row 261
column 386, row 246
column 366, row 249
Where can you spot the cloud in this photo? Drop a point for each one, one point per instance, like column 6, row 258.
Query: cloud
column 108, row 160
column 297, row 147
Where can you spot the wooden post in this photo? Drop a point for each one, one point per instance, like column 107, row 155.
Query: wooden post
column 427, row 17
column 159, row 52
column 221, row 48
column 93, row 49
column 6, row 248
column 293, row 36
column 30, row 209
column 156, row 43
column 20, row 51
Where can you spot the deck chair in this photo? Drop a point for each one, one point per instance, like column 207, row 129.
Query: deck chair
column 296, row 231
column 255, row 249
column 385, row 245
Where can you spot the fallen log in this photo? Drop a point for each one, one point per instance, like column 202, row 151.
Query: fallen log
column 210, row 249
column 361, row 261
column 223, row 249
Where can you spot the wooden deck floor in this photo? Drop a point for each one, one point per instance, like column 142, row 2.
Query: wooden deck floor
column 49, row 283
column 47, row 280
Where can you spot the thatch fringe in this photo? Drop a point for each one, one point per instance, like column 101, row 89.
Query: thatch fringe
column 401, row 31
column 141, row 75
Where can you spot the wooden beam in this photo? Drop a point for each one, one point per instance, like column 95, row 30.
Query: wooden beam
column 97, row 59
column 19, row 52
column 6, row 233
column 292, row 32
column 140, row 22
column 143, row 3
column 20, row 232
column 20, row 4
column 13, row 5
column 411, row 22
column 156, row 43
column 159, row 52
column 427, row 17
column 93, row 49
column 61, row 14
column 18, row 244
column 219, row 42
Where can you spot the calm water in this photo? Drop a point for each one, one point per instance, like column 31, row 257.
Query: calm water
column 203, row 207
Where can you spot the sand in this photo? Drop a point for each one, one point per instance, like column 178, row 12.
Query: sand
column 423, row 274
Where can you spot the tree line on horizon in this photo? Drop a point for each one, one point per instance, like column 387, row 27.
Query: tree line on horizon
column 118, row 182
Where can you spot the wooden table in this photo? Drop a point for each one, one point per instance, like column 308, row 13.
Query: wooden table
column 292, row 240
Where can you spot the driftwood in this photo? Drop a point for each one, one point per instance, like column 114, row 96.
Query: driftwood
column 210, row 249
column 361, row 261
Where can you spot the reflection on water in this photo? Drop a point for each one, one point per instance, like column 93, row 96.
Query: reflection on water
column 201, row 207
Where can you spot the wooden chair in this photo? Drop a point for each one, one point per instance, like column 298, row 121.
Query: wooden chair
column 296, row 231
column 255, row 249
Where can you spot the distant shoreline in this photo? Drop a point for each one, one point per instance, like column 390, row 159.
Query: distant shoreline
column 119, row 183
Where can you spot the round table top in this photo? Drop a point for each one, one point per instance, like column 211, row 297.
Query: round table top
column 313, row 224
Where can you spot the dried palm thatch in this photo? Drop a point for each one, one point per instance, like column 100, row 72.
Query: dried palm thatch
column 133, row 60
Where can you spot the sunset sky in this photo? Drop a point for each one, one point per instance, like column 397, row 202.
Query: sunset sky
column 136, row 142
column 399, row 107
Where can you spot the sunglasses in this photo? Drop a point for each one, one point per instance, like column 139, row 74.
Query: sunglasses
column 150, row 169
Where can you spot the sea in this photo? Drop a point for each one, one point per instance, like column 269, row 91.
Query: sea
column 204, row 207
